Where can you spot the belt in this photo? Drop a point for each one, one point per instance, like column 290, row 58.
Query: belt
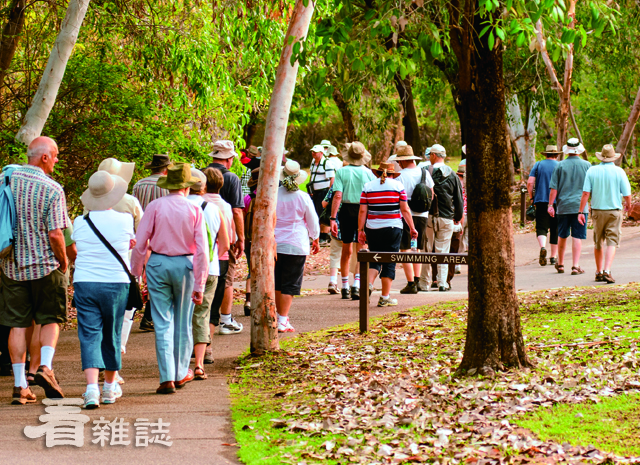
column 165, row 255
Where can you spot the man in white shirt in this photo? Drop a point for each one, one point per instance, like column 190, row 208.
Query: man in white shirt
column 410, row 177
column 321, row 178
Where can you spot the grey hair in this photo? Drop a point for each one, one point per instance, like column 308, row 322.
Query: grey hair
column 41, row 146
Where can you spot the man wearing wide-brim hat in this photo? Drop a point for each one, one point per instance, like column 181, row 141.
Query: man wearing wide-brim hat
column 565, row 192
column 347, row 189
column 606, row 184
column 410, row 177
column 538, row 187
column 173, row 230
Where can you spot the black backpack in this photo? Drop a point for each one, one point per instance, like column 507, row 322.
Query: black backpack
column 421, row 198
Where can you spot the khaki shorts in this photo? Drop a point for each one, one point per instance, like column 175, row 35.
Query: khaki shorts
column 607, row 226
column 43, row 300
column 336, row 255
column 231, row 272
column 201, row 313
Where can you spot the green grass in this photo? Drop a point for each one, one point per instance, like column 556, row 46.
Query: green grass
column 611, row 425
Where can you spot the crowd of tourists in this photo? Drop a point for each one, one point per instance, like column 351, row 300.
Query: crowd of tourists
column 560, row 191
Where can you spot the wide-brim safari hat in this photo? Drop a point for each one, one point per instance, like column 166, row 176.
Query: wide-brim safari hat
column 551, row 149
column 178, row 177
column 573, row 147
column 404, row 153
column 255, row 174
column 292, row 170
column 318, row 148
column 385, row 168
column 118, row 168
column 104, row 192
column 332, row 151
column 608, row 154
column 158, row 161
column 356, row 154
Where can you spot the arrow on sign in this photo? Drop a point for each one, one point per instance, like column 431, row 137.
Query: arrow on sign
column 376, row 257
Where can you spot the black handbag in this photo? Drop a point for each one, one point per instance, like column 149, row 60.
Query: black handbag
column 135, row 296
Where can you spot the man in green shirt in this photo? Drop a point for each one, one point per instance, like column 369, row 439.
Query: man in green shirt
column 347, row 187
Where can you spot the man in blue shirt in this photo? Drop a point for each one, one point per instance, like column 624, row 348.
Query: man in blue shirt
column 538, row 187
column 566, row 185
column 606, row 184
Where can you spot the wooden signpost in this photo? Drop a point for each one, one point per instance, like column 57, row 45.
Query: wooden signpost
column 365, row 257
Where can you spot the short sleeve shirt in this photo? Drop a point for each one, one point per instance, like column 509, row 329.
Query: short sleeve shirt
column 231, row 191
column 383, row 202
column 40, row 207
column 350, row 180
column 146, row 190
column 542, row 171
column 321, row 174
column 568, row 180
column 607, row 183
column 410, row 178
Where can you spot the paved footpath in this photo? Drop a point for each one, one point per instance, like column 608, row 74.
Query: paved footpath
column 199, row 414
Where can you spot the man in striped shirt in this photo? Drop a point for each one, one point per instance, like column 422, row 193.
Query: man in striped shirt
column 321, row 178
column 146, row 191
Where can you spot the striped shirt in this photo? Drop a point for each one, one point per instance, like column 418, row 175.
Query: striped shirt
column 383, row 202
column 321, row 174
column 244, row 180
column 40, row 207
column 146, row 190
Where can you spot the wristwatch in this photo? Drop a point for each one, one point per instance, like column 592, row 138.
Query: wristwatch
column 332, row 219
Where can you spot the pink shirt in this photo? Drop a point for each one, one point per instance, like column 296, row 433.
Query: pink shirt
column 172, row 226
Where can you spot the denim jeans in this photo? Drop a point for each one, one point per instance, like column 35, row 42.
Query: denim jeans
column 170, row 283
column 100, row 308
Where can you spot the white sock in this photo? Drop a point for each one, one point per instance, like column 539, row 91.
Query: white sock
column 345, row 283
column 225, row 319
column 333, row 279
column 93, row 387
column 20, row 380
column 46, row 356
column 385, row 296
column 108, row 386
column 542, row 240
column 356, row 280
column 282, row 320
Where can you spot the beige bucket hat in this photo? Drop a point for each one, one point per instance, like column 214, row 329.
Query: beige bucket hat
column 104, row 192
column 292, row 169
column 223, row 150
column 608, row 154
column 118, row 168
column 356, row 154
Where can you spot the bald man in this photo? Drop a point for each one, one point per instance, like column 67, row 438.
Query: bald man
column 34, row 277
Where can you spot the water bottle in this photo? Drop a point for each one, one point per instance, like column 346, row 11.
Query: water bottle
column 414, row 245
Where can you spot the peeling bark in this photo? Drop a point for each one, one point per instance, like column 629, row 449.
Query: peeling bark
column 565, row 97
column 11, row 36
column 621, row 146
column 264, row 331
column 523, row 139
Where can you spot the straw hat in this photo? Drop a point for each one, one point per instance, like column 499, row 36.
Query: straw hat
column 118, row 168
column 552, row 149
column 253, row 151
column 178, row 177
column 197, row 175
column 356, row 154
column 404, row 153
column 255, row 173
column 104, row 192
column 292, row 169
column 159, row 161
column 385, row 168
column 573, row 147
column 223, row 150
column 608, row 154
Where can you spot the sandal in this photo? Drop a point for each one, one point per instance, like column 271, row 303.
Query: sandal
column 560, row 268
column 199, row 374
column 576, row 270
column 31, row 379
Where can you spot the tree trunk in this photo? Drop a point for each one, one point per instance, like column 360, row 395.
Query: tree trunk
column 621, row 146
column 410, row 118
column 347, row 116
column 264, row 330
column 494, row 335
column 11, row 36
column 45, row 97
column 524, row 140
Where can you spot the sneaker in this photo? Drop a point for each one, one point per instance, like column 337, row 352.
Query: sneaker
column 285, row 328
column 444, row 288
column 434, row 285
column 22, row 396
column 355, row 293
column 47, row 381
column 458, row 269
column 607, row 278
column 552, row 261
column 119, row 379
column 146, row 325
column 332, row 288
column 388, row 302
column 208, row 356
column 346, row 293
column 233, row 327
column 410, row 288
column 91, row 400
column 247, row 310
column 542, row 259
column 109, row 396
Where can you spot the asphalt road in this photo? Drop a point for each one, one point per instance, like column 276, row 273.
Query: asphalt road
column 199, row 414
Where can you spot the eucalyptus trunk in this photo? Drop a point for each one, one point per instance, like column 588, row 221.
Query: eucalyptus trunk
column 11, row 36
column 523, row 139
column 627, row 132
column 47, row 92
column 347, row 115
column 264, row 330
column 565, row 97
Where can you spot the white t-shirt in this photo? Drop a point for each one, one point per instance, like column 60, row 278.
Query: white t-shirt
column 410, row 177
column 94, row 263
column 424, row 164
column 212, row 219
column 336, row 163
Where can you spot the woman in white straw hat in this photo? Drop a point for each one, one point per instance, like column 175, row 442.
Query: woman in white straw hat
column 296, row 222
column 101, row 283
column 128, row 203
